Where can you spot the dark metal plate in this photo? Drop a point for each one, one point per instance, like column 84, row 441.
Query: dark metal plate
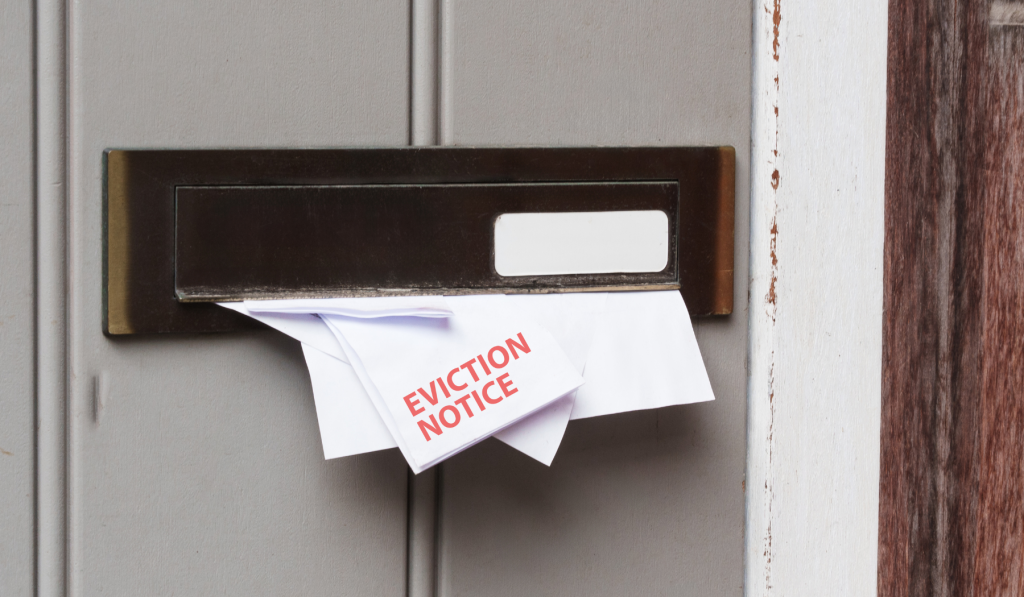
column 236, row 243
column 245, row 226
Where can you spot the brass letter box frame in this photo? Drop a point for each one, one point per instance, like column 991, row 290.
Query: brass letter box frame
column 184, row 228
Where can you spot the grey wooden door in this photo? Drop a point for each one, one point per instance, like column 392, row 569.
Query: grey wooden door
column 17, row 399
column 202, row 473
column 643, row 503
column 194, row 464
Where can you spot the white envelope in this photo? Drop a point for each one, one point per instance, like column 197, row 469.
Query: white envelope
column 304, row 327
column 644, row 355
column 362, row 307
column 336, row 385
column 349, row 423
column 571, row 319
column 403, row 362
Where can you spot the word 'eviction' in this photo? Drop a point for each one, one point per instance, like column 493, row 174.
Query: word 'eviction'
column 468, row 376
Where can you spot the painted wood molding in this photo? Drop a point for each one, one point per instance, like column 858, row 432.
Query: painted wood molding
column 815, row 297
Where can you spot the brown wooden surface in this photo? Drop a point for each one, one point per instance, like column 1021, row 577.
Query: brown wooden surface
column 999, row 567
column 951, row 514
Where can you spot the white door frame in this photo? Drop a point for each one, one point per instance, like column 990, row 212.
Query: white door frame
column 816, row 242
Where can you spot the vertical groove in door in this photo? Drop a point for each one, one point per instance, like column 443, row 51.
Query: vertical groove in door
column 443, row 136
column 424, row 489
column 444, row 73
column 50, row 332
column 423, row 73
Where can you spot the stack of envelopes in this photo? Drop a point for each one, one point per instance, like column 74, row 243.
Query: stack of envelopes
column 434, row 375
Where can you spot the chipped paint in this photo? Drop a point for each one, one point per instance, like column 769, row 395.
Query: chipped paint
column 815, row 316
column 771, row 297
column 776, row 21
column 769, row 483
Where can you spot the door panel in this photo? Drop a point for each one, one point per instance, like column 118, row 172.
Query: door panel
column 648, row 502
column 200, row 471
column 17, row 396
column 195, row 462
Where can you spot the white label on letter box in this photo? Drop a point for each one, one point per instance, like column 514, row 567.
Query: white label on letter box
column 596, row 242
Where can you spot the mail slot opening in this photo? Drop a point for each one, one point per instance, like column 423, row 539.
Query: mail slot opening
column 596, row 242
column 247, row 242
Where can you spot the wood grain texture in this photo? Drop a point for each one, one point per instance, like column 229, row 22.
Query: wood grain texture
column 951, row 489
column 932, row 294
column 1000, row 528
